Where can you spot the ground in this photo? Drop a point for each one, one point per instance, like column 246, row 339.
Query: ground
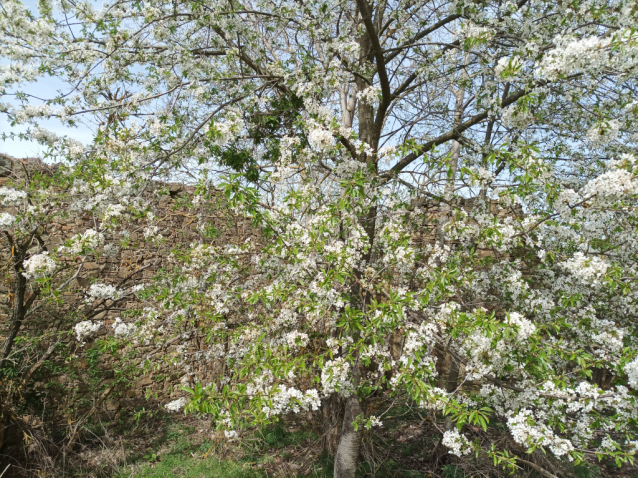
column 164, row 445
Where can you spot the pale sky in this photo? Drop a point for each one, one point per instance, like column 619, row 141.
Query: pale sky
column 44, row 88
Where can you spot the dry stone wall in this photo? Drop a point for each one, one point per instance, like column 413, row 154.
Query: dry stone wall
column 87, row 379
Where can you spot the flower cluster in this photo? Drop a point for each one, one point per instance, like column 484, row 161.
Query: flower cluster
column 631, row 369
column 39, row 265
column 86, row 329
column 123, row 330
column 527, row 432
column 296, row 339
column 290, row 399
column 370, row 95
column 320, row 139
column 601, row 134
column 335, row 377
column 80, row 243
column 524, row 327
column 457, row 443
column 11, row 196
column 101, row 292
column 7, row 221
column 176, row 405
column 573, row 56
column 507, row 67
column 588, row 269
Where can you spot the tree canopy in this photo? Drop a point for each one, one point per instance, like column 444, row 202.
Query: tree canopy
column 431, row 181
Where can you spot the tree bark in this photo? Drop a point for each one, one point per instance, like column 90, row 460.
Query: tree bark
column 452, row 383
column 347, row 456
column 18, row 316
column 331, row 413
column 459, row 95
column 350, row 441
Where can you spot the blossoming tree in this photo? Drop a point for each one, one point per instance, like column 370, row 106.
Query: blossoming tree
column 52, row 284
column 431, row 181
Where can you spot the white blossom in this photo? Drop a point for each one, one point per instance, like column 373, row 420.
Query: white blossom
column 38, row 266
column 573, row 56
column 320, row 139
column 524, row 326
column 89, row 239
column 11, row 196
column 335, row 377
column 370, row 95
column 603, row 133
column 588, row 269
column 631, row 369
column 101, row 291
column 123, row 330
column 457, row 443
column 176, row 405
column 86, row 329
column 7, row 221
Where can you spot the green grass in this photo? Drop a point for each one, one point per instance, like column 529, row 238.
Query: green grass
column 176, row 454
column 276, row 436
column 187, row 466
column 586, row 470
column 451, row 471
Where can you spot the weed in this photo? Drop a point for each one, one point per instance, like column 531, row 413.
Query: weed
column 452, row 471
column 177, row 454
column 324, row 467
column 586, row 470
column 184, row 465
column 276, row 436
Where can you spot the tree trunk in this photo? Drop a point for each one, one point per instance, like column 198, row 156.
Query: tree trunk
column 349, row 442
column 455, row 152
column 452, row 383
column 347, row 456
column 3, row 427
column 331, row 414
column 18, row 316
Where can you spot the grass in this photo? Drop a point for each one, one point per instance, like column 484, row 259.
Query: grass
column 177, row 449
column 276, row 436
column 451, row 471
column 179, row 452
column 187, row 466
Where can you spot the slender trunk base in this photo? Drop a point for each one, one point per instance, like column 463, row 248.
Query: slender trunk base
column 452, row 383
column 3, row 427
column 347, row 456
column 331, row 415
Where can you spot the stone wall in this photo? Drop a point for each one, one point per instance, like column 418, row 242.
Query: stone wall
column 86, row 379
column 91, row 380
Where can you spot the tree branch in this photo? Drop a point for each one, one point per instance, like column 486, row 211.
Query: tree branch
column 423, row 34
column 383, row 74
column 455, row 133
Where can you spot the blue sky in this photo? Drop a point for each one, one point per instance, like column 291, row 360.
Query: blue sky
column 44, row 88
